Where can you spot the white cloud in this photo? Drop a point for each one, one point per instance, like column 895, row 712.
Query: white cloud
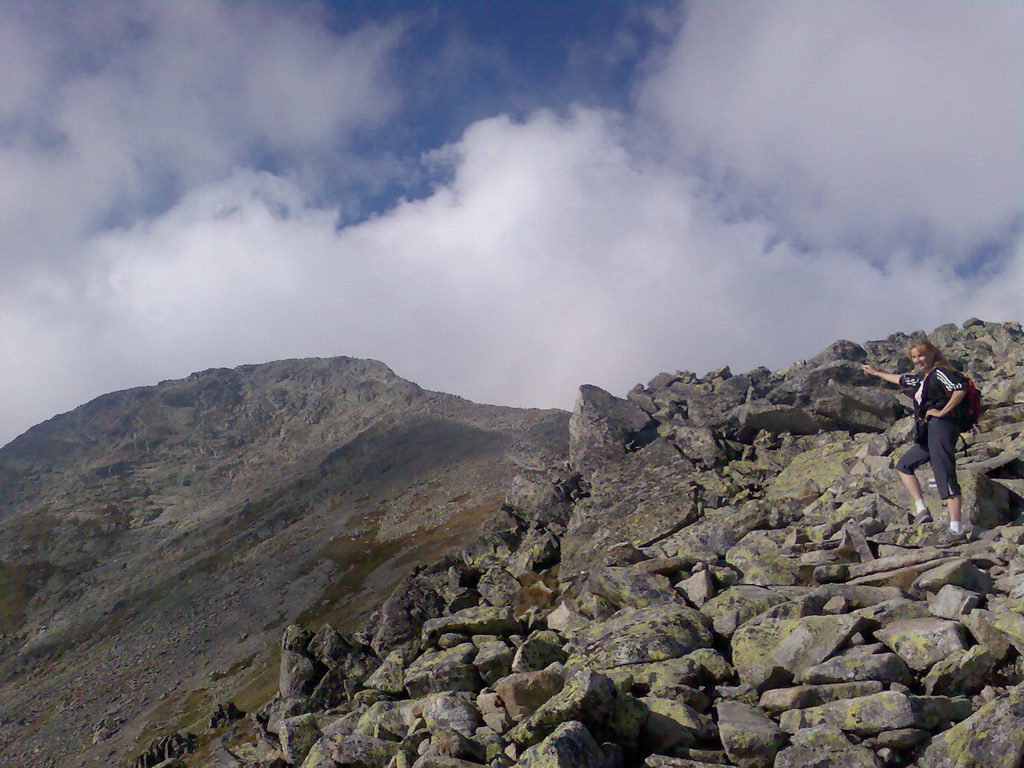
column 852, row 121
column 562, row 249
column 552, row 258
column 108, row 112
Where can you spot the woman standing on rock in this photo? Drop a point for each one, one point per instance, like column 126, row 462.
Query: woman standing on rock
column 938, row 394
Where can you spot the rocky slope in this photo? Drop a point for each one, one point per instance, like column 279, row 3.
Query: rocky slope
column 724, row 574
column 155, row 542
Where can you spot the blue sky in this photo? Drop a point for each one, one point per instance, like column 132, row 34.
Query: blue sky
column 503, row 200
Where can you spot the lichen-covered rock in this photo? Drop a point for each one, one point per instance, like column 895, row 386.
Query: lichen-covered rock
column 760, row 561
column 813, row 640
column 637, row 636
column 298, row 735
column 353, row 749
column 645, row 497
column 450, row 670
column 699, row 444
column 278, row 709
column 825, row 747
column 538, row 550
column 981, row 626
column 600, row 427
column 818, row 468
column 492, row 710
column 396, row 625
column 922, row 642
column 779, row 700
column 479, row 620
column 1011, row 625
column 736, row 605
column 716, row 533
column 701, row 667
column 354, row 660
column 985, row 502
column 389, row 678
column 755, row 417
column 895, row 609
column 752, row 648
column 539, row 650
column 432, row 761
column 960, row 674
column 750, row 738
column 671, row 724
column 383, row 720
column 493, row 659
column 498, row 587
column 626, row 587
column 451, row 711
column 990, row 738
column 594, row 700
column 570, row 745
column 960, row 573
column 524, row 692
column 662, row 761
column 299, row 674
column 886, row 711
column 886, row 668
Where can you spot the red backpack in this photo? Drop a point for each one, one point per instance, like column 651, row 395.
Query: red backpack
column 971, row 409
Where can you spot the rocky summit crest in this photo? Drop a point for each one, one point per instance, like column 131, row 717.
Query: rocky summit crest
column 713, row 571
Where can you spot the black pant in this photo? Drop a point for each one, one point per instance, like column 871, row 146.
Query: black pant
column 941, row 452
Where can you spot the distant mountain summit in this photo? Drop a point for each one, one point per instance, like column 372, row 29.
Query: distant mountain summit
column 157, row 539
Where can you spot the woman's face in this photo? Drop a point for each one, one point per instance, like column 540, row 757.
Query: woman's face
column 919, row 357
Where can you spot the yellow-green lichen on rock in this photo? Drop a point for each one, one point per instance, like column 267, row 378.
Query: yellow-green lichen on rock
column 758, row 558
column 637, row 636
column 886, row 711
column 752, row 648
column 923, row 642
column 990, row 738
column 1011, row 625
column 737, row 605
column 594, row 700
column 750, row 738
column 569, row 746
column 819, row 467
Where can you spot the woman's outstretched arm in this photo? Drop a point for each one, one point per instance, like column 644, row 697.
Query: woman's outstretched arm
column 892, row 378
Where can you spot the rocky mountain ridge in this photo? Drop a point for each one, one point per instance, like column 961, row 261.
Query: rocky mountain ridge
column 182, row 526
column 723, row 574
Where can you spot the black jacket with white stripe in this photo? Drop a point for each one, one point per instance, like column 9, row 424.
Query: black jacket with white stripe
column 933, row 390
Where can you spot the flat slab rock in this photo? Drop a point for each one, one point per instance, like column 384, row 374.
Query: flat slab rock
column 779, row 700
column 923, row 642
column 637, row 636
column 661, row 761
column 887, row 711
column 860, row 667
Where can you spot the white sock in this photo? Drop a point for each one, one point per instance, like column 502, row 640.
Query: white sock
column 954, row 526
column 919, row 508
